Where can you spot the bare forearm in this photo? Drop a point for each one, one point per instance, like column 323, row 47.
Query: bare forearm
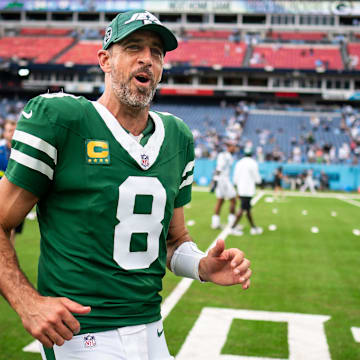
column 14, row 285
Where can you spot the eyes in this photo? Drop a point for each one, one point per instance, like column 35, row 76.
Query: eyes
column 156, row 51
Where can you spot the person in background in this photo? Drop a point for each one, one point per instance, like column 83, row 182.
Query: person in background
column 324, row 181
column 5, row 149
column 246, row 176
column 309, row 182
column 224, row 189
column 278, row 178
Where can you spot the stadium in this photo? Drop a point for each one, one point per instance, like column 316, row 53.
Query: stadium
column 280, row 77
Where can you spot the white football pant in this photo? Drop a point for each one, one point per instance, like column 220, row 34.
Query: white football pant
column 139, row 342
column 225, row 189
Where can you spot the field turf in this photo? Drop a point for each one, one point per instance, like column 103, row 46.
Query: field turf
column 295, row 271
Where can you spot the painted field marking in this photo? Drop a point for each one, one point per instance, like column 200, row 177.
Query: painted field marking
column 306, row 334
column 33, row 347
column 356, row 333
column 349, row 201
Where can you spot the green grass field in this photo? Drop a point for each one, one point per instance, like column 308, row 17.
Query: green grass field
column 295, row 271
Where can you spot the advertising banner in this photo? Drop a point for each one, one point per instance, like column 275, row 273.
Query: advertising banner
column 192, row 6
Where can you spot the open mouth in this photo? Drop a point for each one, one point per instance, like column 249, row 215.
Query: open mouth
column 144, row 79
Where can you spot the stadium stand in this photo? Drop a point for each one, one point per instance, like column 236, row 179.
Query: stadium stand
column 44, row 32
column 208, row 34
column 301, row 36
column 286, row 56
column 192, row 53
column 37, row 49
column 82, row 53
column 318, row 137
column 354, row 55
column 196, row 53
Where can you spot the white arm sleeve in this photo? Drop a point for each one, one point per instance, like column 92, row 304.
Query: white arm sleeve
column 185, row 260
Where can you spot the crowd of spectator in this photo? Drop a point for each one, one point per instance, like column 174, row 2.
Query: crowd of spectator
column 303, row 148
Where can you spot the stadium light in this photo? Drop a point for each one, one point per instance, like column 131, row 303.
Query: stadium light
column 217, row 67
column 23, row 72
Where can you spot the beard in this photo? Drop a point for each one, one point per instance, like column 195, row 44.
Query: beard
column 140, row 97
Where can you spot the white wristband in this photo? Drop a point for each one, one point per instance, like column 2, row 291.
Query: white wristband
column 185, row 260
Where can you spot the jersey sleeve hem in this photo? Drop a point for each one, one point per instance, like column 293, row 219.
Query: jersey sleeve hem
column 16, row 181
column 182, row 201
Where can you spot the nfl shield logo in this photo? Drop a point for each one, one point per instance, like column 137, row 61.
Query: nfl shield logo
column 89, row 341
column 145, row 161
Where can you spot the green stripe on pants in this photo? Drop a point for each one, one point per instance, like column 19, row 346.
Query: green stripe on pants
column 49, row 353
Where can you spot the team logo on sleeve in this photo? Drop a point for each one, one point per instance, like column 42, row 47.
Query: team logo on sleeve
column 145, row 161
column 97, row 152
column 89, row 341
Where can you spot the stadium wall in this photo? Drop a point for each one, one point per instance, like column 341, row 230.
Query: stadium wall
column 341, row 177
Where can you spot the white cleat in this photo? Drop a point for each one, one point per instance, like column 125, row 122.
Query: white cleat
column 239, row 227
column 236, row 232
column 256, row 231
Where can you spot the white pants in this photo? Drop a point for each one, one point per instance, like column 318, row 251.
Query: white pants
column 140, row 342
column 225, row 189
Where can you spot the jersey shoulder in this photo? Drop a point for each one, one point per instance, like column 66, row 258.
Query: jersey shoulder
column 174, row 124
column 57, row 108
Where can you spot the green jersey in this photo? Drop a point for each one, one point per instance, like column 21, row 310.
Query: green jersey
column 106, row 200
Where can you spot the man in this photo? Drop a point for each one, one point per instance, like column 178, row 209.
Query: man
column 9, row 129
column 224, row 188
column 277, row 184
column 246, row 176
column 309, row 182
column 110, row 179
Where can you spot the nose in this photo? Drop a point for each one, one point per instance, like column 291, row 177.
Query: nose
column 145, row 57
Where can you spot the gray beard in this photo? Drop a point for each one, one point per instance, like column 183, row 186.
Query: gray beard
column 139, row 100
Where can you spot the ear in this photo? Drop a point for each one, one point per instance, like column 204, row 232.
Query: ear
column 104, row 59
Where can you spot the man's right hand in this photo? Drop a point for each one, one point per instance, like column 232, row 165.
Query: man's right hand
column 50, row 320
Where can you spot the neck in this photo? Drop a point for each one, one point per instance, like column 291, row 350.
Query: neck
column 132, row 119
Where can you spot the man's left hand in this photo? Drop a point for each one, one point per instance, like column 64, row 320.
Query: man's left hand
column 225, row 267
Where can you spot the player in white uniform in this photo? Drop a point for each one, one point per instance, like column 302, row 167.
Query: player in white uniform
column 224, row 188
column 246, row 176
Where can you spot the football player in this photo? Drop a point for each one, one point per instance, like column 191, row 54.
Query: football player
column 224, row 188
column 110, row 179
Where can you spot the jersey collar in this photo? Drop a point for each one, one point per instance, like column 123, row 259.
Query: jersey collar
column 145, row 156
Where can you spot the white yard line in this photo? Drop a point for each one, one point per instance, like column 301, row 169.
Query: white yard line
column 326, row 195
column 356, row 334
column 349, row 201
column 175, row 296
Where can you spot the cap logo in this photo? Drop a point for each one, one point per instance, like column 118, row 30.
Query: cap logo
column 145, row 17
column 107, row 36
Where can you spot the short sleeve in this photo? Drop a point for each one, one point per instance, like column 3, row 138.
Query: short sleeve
column 184, row 195
column 33, row 154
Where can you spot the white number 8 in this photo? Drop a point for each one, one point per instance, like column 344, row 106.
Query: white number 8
column 138, row 223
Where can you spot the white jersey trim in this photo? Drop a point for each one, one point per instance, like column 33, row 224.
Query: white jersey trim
column 187, row 181
column 146, row 155
column 188, row 167
column 36, row 143
column 32, row 163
